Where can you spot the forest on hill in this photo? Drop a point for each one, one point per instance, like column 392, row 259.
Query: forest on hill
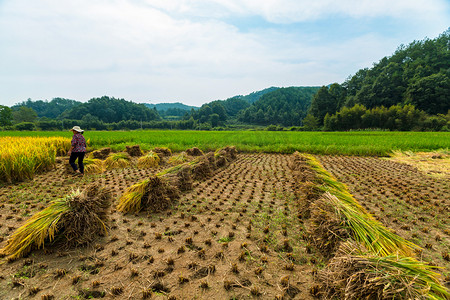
column 409, row 90
column 411, row 86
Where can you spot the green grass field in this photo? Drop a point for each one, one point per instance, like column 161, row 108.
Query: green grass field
column 346, row 143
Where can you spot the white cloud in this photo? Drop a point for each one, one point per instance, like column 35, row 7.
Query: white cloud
column 287, row 11
column 180, row 50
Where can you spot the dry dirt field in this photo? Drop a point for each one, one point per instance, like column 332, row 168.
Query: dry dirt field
column 236, row 235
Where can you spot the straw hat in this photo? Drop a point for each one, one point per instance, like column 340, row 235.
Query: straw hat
column 77, row 129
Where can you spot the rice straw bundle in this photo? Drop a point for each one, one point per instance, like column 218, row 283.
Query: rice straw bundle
column 154, row 194
column 131, row 199
column 77, row 218
column 150, row 160
column 178, row 159
column 194, row 152
column 364, row 228
column 162, row 151
column 93, row 166
column 36, row 230
column 372, row 234
column 118, row 160
column 355, row 275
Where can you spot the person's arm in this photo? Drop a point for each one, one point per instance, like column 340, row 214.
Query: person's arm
column 73, row 143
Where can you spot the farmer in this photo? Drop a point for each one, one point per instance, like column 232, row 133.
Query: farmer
column 77, row 150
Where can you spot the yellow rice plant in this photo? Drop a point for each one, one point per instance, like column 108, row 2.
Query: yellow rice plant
column 118, row 160
column 93, row 166
column 365, row 229
column 39, row 228
column 22, row 157
column 150, row 160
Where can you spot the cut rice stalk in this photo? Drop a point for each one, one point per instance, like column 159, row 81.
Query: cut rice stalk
column 154, row 194
column 77, row 219
column 178, row 159
column 368, row 231
column 37, row 229
column 356, row 275
column 365, row 229
column 150, row 160
column 118, row 160
column 131, row 199
column 93, row 166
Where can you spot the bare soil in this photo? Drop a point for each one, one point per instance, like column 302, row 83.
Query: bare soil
column 236, row 235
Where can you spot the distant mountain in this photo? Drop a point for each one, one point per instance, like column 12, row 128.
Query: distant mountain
column 255, row 96
column 110, row 110
column 282, row 106
column 44, row 108
column 167, row 106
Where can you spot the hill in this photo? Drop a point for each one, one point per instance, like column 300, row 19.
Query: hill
column 255, row 96
column 49, row 109
column 417, row 74
column 283, row 106
column 110, row 110
column 167, row 106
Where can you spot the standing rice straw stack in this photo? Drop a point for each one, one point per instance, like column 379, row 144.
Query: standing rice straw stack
column 150, row 160
column 76, row 218
column 153, row 194
column 93, row 166
column 118, row 160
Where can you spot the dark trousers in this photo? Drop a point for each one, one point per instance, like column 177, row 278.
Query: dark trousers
column 73, row 157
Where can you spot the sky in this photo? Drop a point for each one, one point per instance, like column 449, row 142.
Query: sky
column 197, row 51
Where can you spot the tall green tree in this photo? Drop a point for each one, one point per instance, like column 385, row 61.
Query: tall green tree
column 5, row 116
column 430, row 93
column 322, row 103
column 24, row 114
column 51, row 109
column 310, row 123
